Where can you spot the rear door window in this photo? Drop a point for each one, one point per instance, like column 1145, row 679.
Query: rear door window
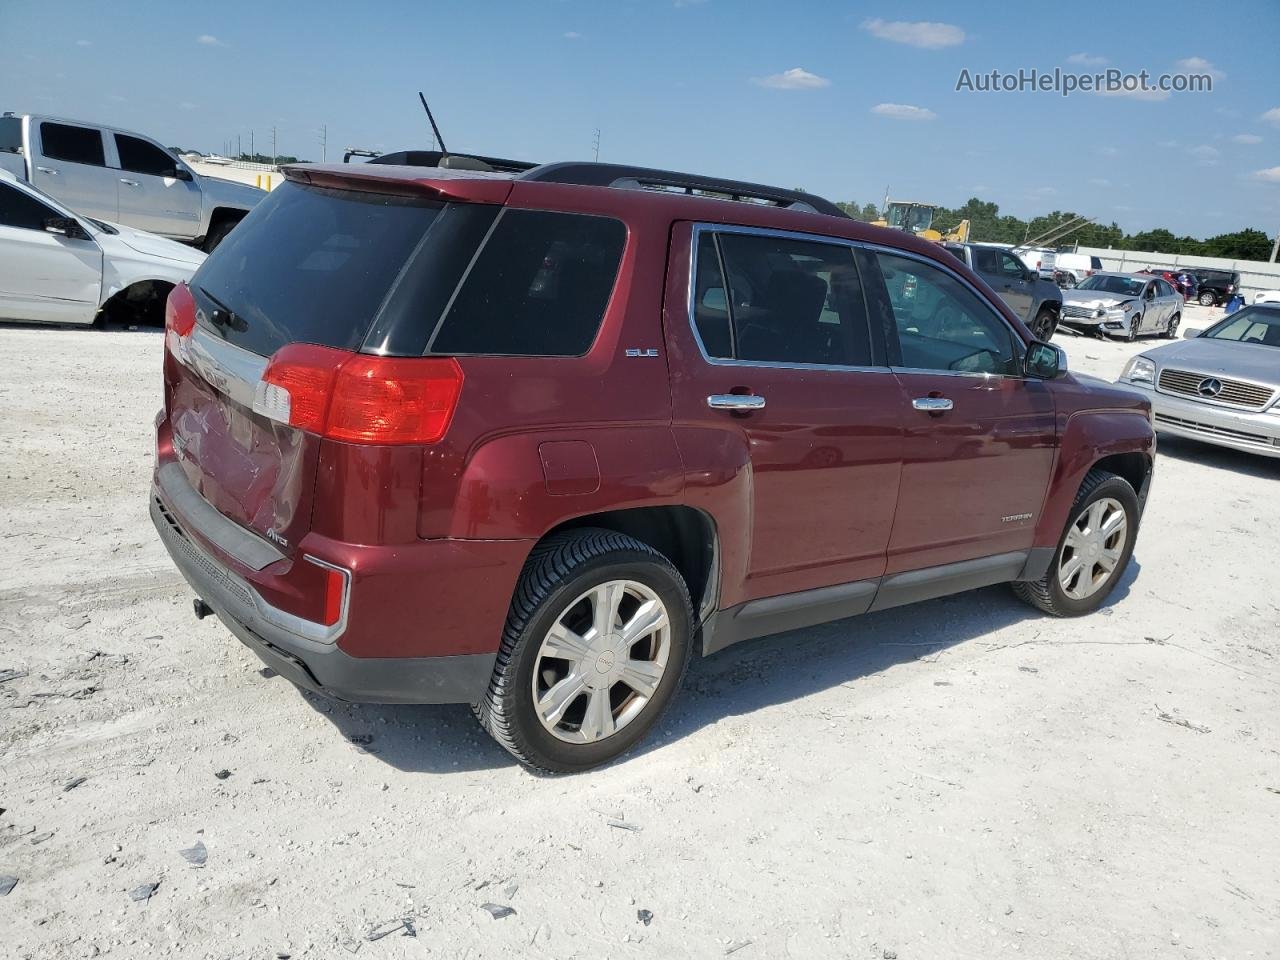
column 62, row 141
column 787, row 301
column 1011, row 266
column 539, row 287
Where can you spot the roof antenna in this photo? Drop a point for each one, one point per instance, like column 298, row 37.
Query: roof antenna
column 434, row 129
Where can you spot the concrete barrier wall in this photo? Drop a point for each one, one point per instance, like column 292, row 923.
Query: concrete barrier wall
column 1255, row 275
column 254, row 174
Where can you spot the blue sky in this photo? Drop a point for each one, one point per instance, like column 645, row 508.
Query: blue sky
column 813, row 94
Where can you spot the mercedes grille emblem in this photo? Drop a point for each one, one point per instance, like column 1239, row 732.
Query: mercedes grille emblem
column 1209, row 387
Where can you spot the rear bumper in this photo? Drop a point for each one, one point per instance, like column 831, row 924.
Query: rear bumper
column 322, row 668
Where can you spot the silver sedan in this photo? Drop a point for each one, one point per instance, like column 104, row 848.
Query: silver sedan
column 1126, row 305
column 1221, row 386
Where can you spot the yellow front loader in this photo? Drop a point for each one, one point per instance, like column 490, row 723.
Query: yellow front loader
column 918, row 218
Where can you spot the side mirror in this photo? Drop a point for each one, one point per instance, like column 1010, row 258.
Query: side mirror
column 1044, row 361
column 1191, row 333
column 181, row 173
column 65, row 227
column 1030, row 275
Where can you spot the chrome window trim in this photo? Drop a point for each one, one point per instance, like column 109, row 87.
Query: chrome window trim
column 701, row 227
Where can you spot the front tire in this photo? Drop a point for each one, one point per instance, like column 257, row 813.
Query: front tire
column 1093, row 552
column 1207, row 299
column 1134, row 324
column 1171, row 330
column 596, row 643
column 1045, row 323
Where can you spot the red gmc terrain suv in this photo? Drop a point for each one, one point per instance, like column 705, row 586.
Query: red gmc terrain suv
column 530, row 440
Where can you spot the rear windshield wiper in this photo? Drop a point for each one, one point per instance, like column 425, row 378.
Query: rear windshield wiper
column 222, row 315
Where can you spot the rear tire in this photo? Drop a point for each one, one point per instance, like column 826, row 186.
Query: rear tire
column 1207, row 299
column 580, row 594
column 1134, row 324
column 1171, row 329
column 1064, row 590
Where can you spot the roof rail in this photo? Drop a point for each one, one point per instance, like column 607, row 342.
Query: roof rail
column 456, row 161
column 645, row 178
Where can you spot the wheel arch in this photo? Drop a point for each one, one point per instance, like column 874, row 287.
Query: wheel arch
column 144, row 299
column 684, row 535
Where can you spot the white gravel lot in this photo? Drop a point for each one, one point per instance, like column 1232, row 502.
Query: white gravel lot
column 964, row 778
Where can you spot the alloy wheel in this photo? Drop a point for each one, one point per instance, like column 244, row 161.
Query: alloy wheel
column 601, row 662
column 1093, row 548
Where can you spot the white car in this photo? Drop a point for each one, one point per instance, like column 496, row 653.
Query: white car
column 56, row 267
column 1267, row 296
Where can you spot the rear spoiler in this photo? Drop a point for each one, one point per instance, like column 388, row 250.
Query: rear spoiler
column 445, row 161
column 463, row 186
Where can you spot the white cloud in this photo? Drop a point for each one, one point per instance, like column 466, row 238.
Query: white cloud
column 1107, row 151
column 1204, row 154
column 1271, row 116
column 793, row 79
column 1270, row 175
column 1136, row 94
column 573, row 35
column 187, row 105
column 1100, row 181
column 1201, row 65
column 1086, row 60
column 922, row 33
column 84, row 43
column 209, row 40
column 903, row 111
column 1248, row 138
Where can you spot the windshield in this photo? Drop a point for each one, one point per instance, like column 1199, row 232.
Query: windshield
column 910, row 216
column 1125, row 286
column 1255, row 324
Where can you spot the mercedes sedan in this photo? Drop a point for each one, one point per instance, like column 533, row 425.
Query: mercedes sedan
column 1221, row 386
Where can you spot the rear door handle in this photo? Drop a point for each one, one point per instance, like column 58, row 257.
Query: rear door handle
column 735, row 401
column 932, row 404
column 49, row 170
column 129, row 183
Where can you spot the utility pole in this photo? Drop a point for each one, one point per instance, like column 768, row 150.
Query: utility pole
column 324, row 141
column 1275, row 247
column 239, row 152
column 275, row 154
column 597, row 144
column 251, row 153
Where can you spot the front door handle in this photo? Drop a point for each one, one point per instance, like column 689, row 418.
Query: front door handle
column 735, row 401
column 49, row 170
column 932, row 404
column 129, row 183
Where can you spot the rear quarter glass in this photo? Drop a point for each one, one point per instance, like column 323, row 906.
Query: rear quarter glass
column 310, row 265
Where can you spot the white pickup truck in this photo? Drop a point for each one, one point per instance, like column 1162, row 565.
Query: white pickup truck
column 122, row 177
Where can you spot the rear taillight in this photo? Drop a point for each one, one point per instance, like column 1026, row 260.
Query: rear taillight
column 359, row 398
column 179, row 317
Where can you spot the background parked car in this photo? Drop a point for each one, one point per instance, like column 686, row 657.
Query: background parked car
column 1181, row 280
column 1038, row 302
column 56, row 267
column 120, row 176
column 1221, row 386
column 1071, row 269
column 1123, row 304
column 1215, row 287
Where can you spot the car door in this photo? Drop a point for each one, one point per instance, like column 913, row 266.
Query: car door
column 1173, row 301
column 777, row 371
column 980, row 437
column 44, row 276
column 1012, row 284
column 1152, row 308
column 70, row 165
column 153, row 193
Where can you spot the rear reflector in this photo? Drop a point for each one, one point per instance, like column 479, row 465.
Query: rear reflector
column 358, row 398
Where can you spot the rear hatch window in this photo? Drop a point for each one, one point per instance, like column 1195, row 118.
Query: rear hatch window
column 309, row 265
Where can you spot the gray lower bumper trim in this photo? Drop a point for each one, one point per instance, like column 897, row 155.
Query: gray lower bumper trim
column 323, row 668
column 250, row 549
